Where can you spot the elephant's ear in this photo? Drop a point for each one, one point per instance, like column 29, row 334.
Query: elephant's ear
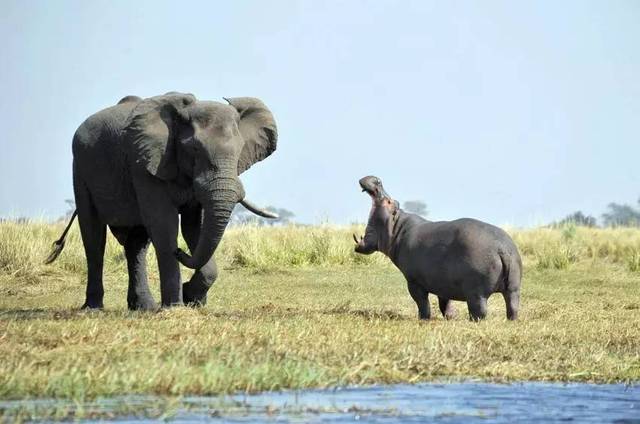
column 258, row 129
column 151, row 131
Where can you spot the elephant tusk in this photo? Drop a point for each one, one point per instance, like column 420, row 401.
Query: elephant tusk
column 258, row 211
column 355, row 238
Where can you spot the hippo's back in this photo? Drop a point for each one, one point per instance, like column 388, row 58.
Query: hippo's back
column 474, row 233
column 453, row 257
column 474, row 240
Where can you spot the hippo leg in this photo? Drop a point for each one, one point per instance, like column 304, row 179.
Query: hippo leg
column 446, row 307
column 512, row 299
column 421, row 297
column 477, row 305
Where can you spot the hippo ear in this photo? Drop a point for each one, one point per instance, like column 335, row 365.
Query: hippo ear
column 152, row 129
column 258, row 129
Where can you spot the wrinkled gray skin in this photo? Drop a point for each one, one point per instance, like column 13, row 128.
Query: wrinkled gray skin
column 465, row 259
column 145, row 166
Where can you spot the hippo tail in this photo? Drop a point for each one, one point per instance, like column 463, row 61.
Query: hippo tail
column 511, row 270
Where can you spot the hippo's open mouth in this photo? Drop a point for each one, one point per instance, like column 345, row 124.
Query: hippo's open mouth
column 373, row 187
column 370, row 192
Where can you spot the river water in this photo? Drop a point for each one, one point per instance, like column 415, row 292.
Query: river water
column 465, row 402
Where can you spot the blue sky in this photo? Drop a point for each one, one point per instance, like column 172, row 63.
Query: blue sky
column 511, row 112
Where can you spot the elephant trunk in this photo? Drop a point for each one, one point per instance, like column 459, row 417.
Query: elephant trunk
column 218, row 196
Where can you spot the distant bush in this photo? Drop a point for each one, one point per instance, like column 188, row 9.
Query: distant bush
column 621, row 216
column 416, row 206
column 292, row 245
column 242, row 216
column 560, row 247
column 576, row 218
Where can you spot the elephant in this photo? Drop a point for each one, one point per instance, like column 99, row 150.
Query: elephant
column 146, row 166
column 465, row 259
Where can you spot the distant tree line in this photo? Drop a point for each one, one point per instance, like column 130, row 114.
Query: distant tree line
column 18, row 220
column 577, row 218
column 241, row 216
column 621, row 216
column 416, row 206
column 617, row 215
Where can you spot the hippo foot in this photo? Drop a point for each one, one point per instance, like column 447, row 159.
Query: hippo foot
column 449, row 314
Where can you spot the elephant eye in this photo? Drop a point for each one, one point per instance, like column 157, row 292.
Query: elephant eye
column 227, row 130
column 204, row 121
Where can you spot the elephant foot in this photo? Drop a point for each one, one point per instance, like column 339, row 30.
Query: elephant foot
column 194, row 295
column 92, row 306
column 143, row 304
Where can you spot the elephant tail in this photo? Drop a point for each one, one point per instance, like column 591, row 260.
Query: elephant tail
column 58, row 245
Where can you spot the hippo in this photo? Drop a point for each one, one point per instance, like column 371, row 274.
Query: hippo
column 465, row 259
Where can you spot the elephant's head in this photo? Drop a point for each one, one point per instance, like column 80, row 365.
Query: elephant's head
column 381, row 218
column 177, row 138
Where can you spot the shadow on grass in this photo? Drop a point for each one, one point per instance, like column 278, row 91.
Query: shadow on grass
column 275, row 311
column 268, row 310
column 63, row 314
column 368, row 314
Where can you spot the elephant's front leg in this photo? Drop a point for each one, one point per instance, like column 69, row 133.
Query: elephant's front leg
column 164, row 238
column 160, row 218
column 195, row 290
column 135, row 247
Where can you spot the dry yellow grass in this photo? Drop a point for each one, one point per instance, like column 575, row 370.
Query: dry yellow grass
column 294, row 307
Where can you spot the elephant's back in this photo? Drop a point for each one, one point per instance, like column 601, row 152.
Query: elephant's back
column 103, row 126
column 100, row 164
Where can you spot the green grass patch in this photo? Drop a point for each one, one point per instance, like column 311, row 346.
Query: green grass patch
column 294, row 308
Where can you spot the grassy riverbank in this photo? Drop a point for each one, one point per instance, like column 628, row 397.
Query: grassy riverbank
column 294, row 308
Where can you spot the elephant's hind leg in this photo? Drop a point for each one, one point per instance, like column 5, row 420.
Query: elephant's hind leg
column 194, row 292
column 446, row 307
column 135, row 247
column 94, row 235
